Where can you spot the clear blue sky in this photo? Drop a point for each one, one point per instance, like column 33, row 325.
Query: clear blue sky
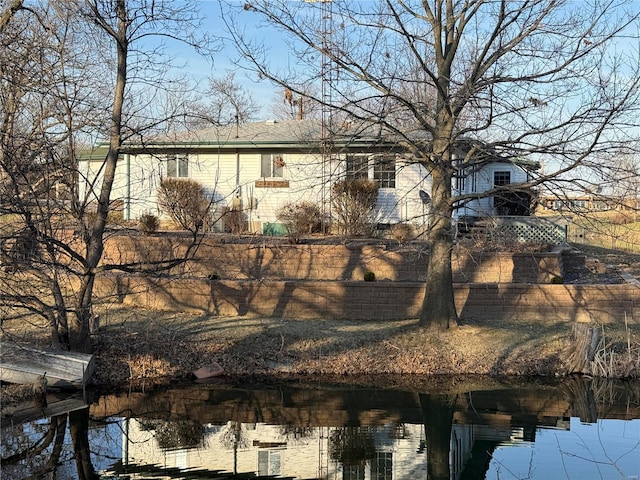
column 199, row 68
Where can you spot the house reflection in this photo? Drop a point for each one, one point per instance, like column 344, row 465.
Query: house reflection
column 393, row 451
column 334, row 433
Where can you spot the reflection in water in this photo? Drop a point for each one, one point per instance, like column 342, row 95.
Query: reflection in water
column 41, row 449
column 577, row 429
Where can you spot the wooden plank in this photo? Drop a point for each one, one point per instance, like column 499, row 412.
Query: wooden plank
column 28, row 412
column 20, row 364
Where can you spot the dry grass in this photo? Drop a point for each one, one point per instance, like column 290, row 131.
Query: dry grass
column 138, row 345
column 615, row 359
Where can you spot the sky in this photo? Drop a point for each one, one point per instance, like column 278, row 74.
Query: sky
column 262, row 91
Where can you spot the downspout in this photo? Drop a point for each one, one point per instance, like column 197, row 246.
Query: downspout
column 127, row 200
column 237, row 170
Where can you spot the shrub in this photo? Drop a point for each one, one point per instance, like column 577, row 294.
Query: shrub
column 235, row 222
column 402, row 232
column 300, row 219
column 369, row 276
column 354, row 203
column 185, row 202
column 148, row 223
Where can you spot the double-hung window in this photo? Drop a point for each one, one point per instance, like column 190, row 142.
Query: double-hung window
column 384, row 171
column 500, row 178
column 177, row 166
column 357, row 166
column 272, row 165
column 384, row 168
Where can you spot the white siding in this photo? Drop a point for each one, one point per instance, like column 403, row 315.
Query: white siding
column 230, row 177
column 482, row 182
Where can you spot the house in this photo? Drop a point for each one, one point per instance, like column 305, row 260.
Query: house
column 258, row 167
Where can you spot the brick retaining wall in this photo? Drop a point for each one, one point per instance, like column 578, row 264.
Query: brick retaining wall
column 325, row 281
column 375, row 300
column 264, row 261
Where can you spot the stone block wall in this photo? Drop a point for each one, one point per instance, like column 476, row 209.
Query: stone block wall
column 374, row 300
column 325, row 281
column 256, row 261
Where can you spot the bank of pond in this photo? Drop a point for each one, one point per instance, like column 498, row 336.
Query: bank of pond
column 394, row 428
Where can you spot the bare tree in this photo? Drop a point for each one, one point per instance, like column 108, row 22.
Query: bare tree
column 73, row 72
column 230, row 102
column 539, row 80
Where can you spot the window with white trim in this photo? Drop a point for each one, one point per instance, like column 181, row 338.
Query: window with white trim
column 357, row 166
column 382, row 466
column 501, row 178
column 269, row 462
column 384, row 171
column 272, row 165
column 177, row 165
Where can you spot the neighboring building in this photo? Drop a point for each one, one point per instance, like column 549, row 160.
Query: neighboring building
column 259, row 167
column 587, row 203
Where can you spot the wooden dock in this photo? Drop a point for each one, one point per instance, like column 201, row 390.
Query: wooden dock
column 21, row 364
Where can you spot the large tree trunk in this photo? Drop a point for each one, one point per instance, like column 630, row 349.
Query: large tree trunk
column 439, row 308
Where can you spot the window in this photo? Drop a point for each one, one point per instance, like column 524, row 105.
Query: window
column 504, row 203
column 500, row 179
column 382, row 466
column 384, row 171
column 459, row 174
column 177, row 166
column 353, row 472
column 357, row 166
column 272, row 165
column 269, row 462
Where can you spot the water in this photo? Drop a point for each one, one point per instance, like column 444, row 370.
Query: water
column 458, row 429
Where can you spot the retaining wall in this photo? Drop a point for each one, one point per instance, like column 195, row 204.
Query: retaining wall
column 325, row 281
column 375, row 300
column 350, row 261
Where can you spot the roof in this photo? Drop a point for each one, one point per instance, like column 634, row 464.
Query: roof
column 270, row 133
column 293, row 134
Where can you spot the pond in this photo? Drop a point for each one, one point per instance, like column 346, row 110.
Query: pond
column 468, row 428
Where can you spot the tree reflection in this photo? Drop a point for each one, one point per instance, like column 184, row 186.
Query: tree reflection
column 41, row 455
column 79, row 430
column 437, row 411
column 30, row 455
column 352, row 446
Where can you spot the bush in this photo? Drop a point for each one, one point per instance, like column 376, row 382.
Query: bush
column 148, row 223
column 369, row 276
column 300, row 219
column 235, row 222
column 354, row 203
column 185, row 202
column 402, row 232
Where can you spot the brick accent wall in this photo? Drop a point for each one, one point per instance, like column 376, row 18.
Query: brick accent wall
column 375, row 300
